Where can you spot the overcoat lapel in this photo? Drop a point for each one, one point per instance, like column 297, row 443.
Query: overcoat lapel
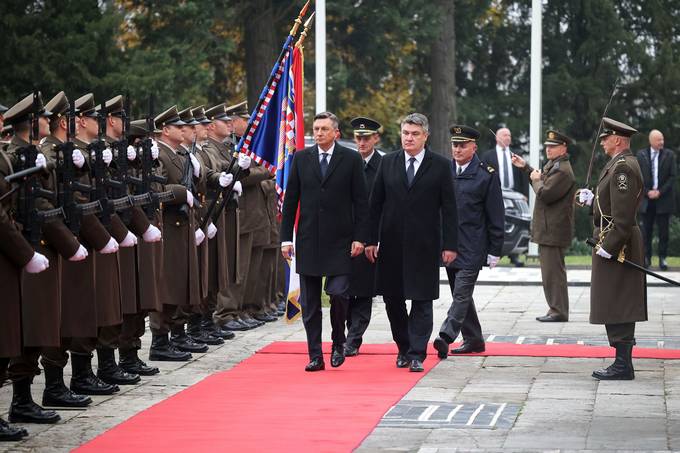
column 313, row 157
column 335, row 161
column 424, row 165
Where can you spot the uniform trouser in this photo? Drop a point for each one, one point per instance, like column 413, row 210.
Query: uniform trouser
column 58, row 357
column 554, row 276
column 230, row 301
column 310, row 300
column 25, row 365
column 462, row 314
column 169, row 318
column 131, row 331
column 621, row 333
column 281, row 277
column 269, row 263
column 256, row 282
column 410, row 331
column 662, row 221
column 358, row 318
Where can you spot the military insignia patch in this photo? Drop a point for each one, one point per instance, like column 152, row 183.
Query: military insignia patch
column 551, row 135
column 457, row 130
column 622, row 182
column 490, row 169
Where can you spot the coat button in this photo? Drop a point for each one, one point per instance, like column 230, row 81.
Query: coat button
column 177, row 223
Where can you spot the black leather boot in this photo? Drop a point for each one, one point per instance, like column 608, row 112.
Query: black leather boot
column 109, row 371
column 56, row 394
column 83, row 380
column 9, row 433
column 622, row 368
column 208, row 325
column 200, row 335
column 161, row 350
column 180, row 340
column 24, row 410
column 131, row 363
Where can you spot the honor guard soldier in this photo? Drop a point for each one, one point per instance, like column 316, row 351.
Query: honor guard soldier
column 553, row 221
column 618, row 294
column 481, row 220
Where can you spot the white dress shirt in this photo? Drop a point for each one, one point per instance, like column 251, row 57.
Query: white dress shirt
column 416, row 165
column 654, row 157
column 369, row 157
column 508, row 170
column 461, row 168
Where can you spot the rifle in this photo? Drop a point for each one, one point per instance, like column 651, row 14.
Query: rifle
column 225, row 194
column 28, row 215
column 187, row 178
column 67, row 182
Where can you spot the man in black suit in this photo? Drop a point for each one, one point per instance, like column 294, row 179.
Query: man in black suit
column 327, row 181
column 413, row 217
column 659, row 173
column 500, row 159
column 362, row 282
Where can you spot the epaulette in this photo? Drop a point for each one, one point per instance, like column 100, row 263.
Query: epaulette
column 488, row 168
column 557, row 164
column 620, row 160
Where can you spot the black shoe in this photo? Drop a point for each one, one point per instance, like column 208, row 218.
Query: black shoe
column 316, row 364
column 235, row 325
column 662, row 264
column 203, row 336
column 209, row 326
column 416, row 366
column 469, row 348
column 9, row 433
column 131, row 363
column 264, row 317
column 622, row 368
column 162, row 351
column 83, row 380
column 442, row 347
column 223, row 333
column 351, row 351
column 24, row 410
column 337, row 356
column 516, row 262
column 402, row 361
column 56, row 394
column 251, row 322
column 281, row 306
column 550, row 318
column 183, row 342
column 109, row 371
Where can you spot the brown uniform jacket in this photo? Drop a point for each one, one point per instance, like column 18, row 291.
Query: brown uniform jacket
column 617, row 292
column 553, row 219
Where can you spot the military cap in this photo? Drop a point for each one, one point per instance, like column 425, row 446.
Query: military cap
column 218, row 112
column 58, row 105
column 462, row 133
column 22, row 110
column 199, row 115
column 553, row 137
column 169, row 118
column 112, row 107
column 365, row 126
column 240, row 109
column 613, row 127
column 3, row 109
column 85, row 106
column 188, row 118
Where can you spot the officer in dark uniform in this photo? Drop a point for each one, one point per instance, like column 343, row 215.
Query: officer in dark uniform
column 362, row 281
column 480, row 230
column 618, row 293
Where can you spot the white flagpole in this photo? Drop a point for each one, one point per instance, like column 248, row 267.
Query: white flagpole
column 535, row 98
column 320, row 52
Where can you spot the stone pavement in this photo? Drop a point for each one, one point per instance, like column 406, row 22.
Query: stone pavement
column 464, row 404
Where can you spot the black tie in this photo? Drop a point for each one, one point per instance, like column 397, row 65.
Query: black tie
column 459, row 171
column 411, row 171
column 324, row 164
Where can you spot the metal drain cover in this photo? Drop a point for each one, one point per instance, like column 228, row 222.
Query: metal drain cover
column 429, row 414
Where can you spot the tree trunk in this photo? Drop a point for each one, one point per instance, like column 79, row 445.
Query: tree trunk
column 443, row 76
column 260, row 44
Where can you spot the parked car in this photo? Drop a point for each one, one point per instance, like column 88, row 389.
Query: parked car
column 517, row 222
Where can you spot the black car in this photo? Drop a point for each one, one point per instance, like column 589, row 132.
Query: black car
column 517, row 223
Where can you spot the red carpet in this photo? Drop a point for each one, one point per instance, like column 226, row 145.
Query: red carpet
column 284, row 409
column 493, row 349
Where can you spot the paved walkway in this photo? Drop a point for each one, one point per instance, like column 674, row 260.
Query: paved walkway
column 538, row 403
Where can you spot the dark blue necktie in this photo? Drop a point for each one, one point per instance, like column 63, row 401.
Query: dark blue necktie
column 411, row 171
column 324, row 164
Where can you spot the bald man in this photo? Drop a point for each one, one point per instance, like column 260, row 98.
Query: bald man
column 659, row 173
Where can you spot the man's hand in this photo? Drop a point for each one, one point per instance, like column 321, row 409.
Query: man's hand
column 535, row 175
column 357, row 248
column 78, row 158
column 603, row 253
column 107, row 156
column 199, row 236
column 130, row 240
column 448, row 256
column 212, row 230
column 40, row 160
column 225, row 179
column 288, row 251
column 131, row 153
column 154, row 149
column 196, row 164
column 110, row 247
column 190, row 199
column 244, row 161
column 492, row 260
column 152, row 234
column 585, row 197
column 653, row 194
column 238, row 188
column 38, row 263
column 517, row 161
column 80, row 254
column 371, row 253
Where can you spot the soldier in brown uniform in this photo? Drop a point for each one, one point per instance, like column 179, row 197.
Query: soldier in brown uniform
column 78, row 307
column 553, row 221
column 40, row 293
column 180, row 255
column 16, row 255
column 618, row 294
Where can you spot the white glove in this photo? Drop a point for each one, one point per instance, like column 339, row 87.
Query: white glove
column 238, row 188
column 129, row 241
column 603, row 253
column 107, row 156
column 226, row 179
column 190, row 199
column 78, row 158
column 196, row 165
column 80, row 254
column 110, row 247
column 38, row 263
column 585, row 196
column 40, row 160
column 492, row 260
column 200, row 236
column 154, row 150
column 152, row 234
column 243, row 161
column 212, row 230
column 131, row 153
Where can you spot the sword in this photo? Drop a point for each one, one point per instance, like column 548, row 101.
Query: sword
column 591, row 242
